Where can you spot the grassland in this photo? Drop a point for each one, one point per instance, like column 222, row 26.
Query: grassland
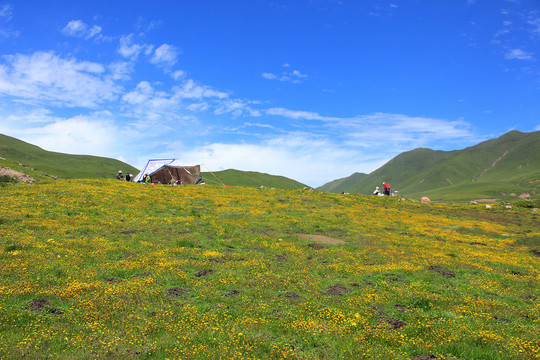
column 115, row 270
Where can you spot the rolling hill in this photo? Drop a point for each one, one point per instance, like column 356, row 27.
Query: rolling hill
column 45, row 165
column 503, row 168
column 42, row 164
column 250, row 179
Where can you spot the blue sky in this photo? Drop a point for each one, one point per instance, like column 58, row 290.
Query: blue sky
column 314, row 90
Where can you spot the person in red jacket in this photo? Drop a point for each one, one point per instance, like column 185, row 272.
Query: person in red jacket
column 386, row 188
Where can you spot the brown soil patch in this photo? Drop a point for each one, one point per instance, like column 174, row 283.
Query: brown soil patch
column 442, row 270
column 112, row 280
column 322, row 239
column 177, row 291
column 38, row 304
column 501, row 319
column 232, row 292
column 204, row 272
column 317, row 247
column 337, row 290
column 19, row 176
column 395, row 323
column 142, row 275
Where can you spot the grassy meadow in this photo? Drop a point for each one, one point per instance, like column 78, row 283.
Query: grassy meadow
column 114, row 270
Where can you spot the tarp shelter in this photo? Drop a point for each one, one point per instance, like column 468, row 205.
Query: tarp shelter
column 164, row 170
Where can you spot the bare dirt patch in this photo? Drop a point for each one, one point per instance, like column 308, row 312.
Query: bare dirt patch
column 322, row 239
column 447, row 273
column 177, row 291
column 203, row 272
column 38, row 304
column 337, row 290
column 19, row 176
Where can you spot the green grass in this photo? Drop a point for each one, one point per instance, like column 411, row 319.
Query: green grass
column 105, row 269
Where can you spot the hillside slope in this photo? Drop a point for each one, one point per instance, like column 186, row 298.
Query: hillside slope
column 343, row 183
column 42, row 164
column 251, row 179
column 502, row 168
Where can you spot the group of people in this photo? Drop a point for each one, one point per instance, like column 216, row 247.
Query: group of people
column 146, row 179
column 386, row 190
column 120, row 176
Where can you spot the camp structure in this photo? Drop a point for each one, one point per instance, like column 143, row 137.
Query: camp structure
column 167, row 171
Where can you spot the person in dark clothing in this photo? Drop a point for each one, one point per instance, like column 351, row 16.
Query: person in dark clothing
column 120, row 176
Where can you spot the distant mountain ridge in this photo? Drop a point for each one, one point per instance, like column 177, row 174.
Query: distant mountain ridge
column 501, row 168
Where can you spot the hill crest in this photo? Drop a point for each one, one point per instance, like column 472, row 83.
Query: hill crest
column 503, row 168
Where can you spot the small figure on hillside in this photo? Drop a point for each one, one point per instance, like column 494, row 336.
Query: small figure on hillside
column 128, row 177
column 120, row 176
column 376, row 191
column 386, row 188
column 147, row 178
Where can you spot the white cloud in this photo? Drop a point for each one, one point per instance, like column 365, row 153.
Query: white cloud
column 77, row 28
column 294, row 76
column 94, row 134
column 518, row 54
column 536, row 24
column 121, row 70
column 296, row 114
column 178, row 74
column 165, row 55
column 130, row 50
column 236, row 107
column 46, row 77
column 191, row 90
column 6, row 11
column 310, row 160
column 269, row 76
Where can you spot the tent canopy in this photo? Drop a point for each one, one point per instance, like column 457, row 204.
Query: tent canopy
column 165, row 171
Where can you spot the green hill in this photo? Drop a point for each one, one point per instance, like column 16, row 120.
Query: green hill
column 44, row 165
column 251, row 179
column 343, row 183
column 502, row 168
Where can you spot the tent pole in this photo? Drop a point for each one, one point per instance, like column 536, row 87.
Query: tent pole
column 214, row 175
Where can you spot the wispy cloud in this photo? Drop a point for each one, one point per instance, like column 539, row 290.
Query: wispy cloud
column 47, row 77
column 297, row 114
column 6, row 11
column 6, row 15
column 518, row 54
column 130, row 50
column 77, row 28
column 294, row 76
